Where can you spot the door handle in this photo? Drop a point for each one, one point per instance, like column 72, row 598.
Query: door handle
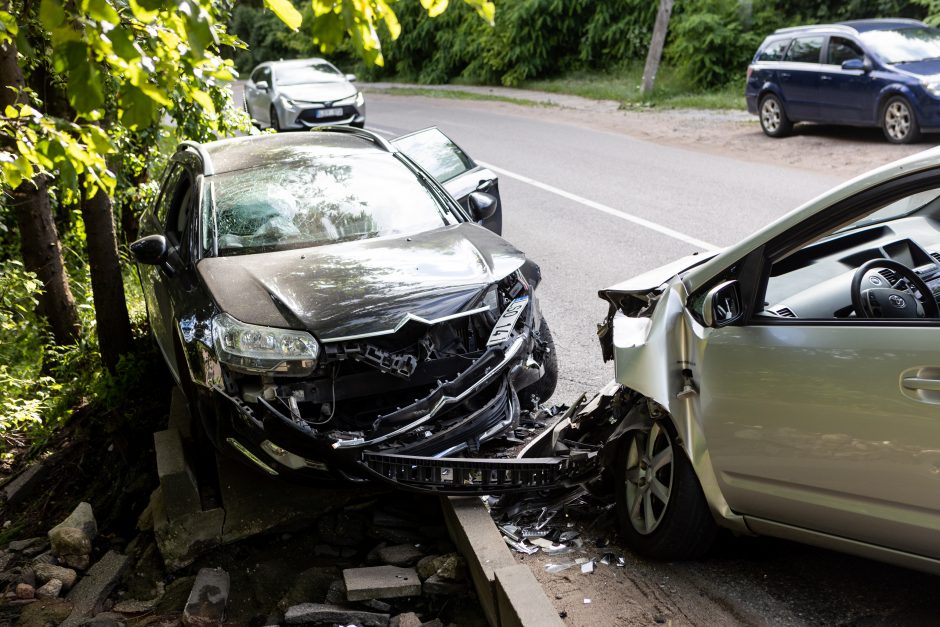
column 920, row 383
column 784, row 75
column 825, row 78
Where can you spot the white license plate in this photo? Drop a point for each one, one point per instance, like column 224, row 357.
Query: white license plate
column 507, row 321
column 329, row 113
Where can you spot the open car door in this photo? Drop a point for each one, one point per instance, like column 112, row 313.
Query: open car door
column 452, row 168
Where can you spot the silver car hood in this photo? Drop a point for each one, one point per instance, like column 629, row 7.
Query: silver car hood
column 656, row 277
column 318, row 92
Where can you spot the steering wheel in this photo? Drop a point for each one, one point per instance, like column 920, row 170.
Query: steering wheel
column 888, row 302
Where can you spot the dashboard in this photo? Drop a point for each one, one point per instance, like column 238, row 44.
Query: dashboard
column 815, row 281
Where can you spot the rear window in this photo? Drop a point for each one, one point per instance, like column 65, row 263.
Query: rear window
column 805, row 50
column 774, row 51
column 310, row 199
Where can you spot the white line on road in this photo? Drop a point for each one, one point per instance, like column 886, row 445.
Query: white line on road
column 653, row 226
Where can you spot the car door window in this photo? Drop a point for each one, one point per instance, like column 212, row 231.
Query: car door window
column 805, row 50
column 841, row 50
column 774, row 51
column 436, row 153
column 162, row 206
column 176, row 225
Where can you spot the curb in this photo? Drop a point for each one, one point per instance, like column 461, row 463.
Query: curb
column 508, row 592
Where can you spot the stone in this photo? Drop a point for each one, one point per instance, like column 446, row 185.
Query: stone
column 24, row 484
column 104, row 619
column 453, row 567
column 208, row 598
column 328, row 550
column 24, row 575
column 177, row 481
column 435, row 585
column 175, row 595
column 69, row 542
column 310, row 586
column 381, row 582
column 25, row 591
column 342, row 528
column 45, row 558
column 47, row 572
column 428, row 566
column 379, row 606
column 21, row 546
column 320, row 614
column 400, row 555
column 49, row 590
column 82, row 517
column 409, row 619
column 133, row 606
column 78, row 562
column 181, row 540
column 89, row 594
column 44, row 612
column 336, row 595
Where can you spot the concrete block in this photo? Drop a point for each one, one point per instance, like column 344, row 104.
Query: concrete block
column 320, row 614
column 89, row 594
column 180, row 490
column 473, row 531
column 180, row 418
column 24, row 484
column 520, row 600
column 181, row 540
column 381, row 582
column 208, row 598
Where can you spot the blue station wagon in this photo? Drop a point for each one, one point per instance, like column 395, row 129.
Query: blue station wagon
column 883, row 72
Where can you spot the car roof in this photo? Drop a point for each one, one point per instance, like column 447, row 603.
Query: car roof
column 252, row 151
column 283, row 62
column 855, row 26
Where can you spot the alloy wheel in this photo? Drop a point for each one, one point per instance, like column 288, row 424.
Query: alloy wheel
column 897, row 120
column 649, row 478
column 770, row 115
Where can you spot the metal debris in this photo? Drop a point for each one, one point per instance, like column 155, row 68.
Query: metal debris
column 587, row 567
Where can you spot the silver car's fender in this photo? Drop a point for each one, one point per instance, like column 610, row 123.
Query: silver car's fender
column 650, row 355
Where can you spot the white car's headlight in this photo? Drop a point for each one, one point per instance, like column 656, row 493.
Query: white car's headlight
column 932, row 86
column 256, row 349
column 360, row 99
column 290, row 104
column 357, row 100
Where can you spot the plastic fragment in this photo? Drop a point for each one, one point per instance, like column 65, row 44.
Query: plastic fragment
column 587, row 567
column 557, row 568
column 587, row 601
column 521, row 546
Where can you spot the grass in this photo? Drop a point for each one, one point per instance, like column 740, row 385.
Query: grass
column 671, row 91
column 455, row 94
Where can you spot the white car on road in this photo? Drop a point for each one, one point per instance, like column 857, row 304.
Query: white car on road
column 301, row 94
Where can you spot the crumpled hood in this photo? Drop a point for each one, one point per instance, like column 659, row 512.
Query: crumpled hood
column 318, row 92
column 363, row 287
column 652, row 279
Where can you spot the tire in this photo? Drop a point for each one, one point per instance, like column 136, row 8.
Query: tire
column 275, row 121
column 679, row 527
column 545, row 386
column 898, row 122
column 773, row 117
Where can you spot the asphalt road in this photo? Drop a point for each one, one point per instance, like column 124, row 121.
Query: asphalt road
column 580, row 247
column 562, row 189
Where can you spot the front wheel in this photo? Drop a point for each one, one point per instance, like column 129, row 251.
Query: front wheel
column 660, row 505
column 275, row 121
column 898, row 121
column 542, row 390
column 773, row 117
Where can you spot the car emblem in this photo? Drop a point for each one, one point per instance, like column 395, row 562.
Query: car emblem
column 875, row 280
column 897, row 301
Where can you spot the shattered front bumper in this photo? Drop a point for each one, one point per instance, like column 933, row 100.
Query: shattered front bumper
column 448, row 461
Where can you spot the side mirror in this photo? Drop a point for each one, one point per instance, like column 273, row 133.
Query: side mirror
column 858, row 65
column 153, row 250
column 262, row 85
column 351, row 78
column 482, row 206
column 723, row 305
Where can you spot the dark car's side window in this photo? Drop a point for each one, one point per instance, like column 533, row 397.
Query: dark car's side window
column 805, row 50
column 774, row 51
column 162, row 207
column 180, row 208
column 842, row 50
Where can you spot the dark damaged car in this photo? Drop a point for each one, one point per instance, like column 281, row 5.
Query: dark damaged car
column 330, row 309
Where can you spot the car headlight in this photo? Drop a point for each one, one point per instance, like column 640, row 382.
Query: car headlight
column 290, row 104
column 357, row 100
column 490, row 299
column 360, row 99
column 932, row 87
column 256, row 349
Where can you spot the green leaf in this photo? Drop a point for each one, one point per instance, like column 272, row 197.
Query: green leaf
column 137, row 110
column 101, row 11
column 123, row 44
column 434, row 7
column 51, row 14
column 84, row 79
column 286, row 12
column 203, row 99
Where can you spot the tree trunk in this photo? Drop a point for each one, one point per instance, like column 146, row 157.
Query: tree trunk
column 107, row 283
column 39, row 240
column 655, row 53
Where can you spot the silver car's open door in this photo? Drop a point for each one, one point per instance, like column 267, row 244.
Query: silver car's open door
column 453, row 168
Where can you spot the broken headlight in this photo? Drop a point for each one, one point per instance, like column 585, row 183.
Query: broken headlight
column 256, row 349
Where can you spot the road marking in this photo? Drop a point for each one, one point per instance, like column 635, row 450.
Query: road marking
column 587, row 202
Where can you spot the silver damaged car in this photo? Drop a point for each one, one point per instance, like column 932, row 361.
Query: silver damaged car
column 789, row 385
